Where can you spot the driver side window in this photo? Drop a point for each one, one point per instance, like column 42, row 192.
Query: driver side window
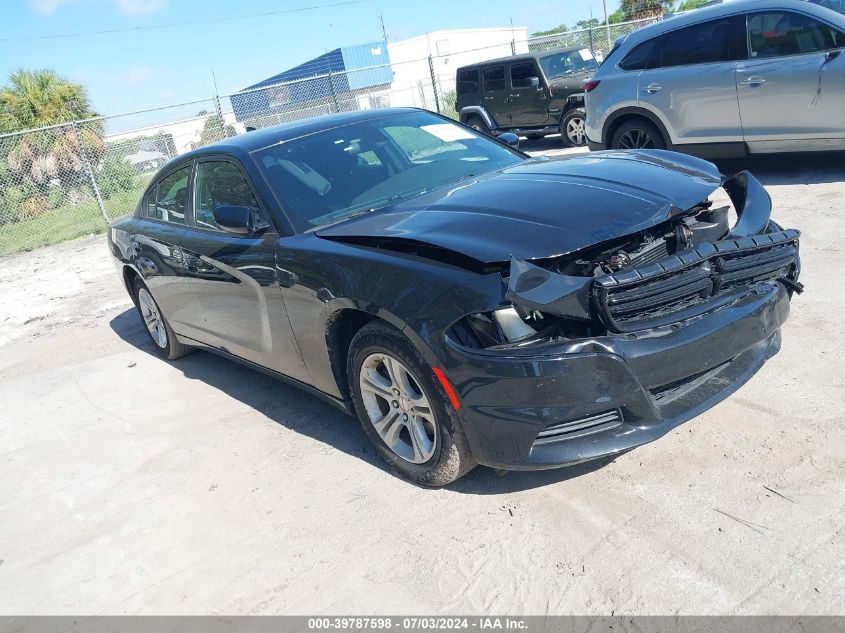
column 783, row 33
column 220, row 183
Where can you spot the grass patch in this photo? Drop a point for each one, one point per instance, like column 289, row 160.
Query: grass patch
column 68, row 222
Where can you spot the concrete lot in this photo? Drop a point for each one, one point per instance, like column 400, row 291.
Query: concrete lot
column 133, row 485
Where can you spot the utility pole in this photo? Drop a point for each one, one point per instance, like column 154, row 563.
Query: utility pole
column 383, row 30
column 606, row 26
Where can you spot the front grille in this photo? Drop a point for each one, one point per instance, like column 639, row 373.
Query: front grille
column 690, row 282
column 582, row 426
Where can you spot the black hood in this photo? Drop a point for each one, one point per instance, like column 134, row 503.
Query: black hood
column 544, row 208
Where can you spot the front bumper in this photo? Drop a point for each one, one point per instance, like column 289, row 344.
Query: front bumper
column 601, row 396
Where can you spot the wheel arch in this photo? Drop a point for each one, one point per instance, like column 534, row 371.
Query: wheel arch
column 629, row 114
column 129, row 275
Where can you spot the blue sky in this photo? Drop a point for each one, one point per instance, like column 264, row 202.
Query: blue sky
column 134, row 70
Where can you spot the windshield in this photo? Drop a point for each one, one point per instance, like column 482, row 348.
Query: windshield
column 568, row 63
column 357, row 168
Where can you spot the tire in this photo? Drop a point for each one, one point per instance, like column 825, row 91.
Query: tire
column 572, row 129
column 637, row 134
column 393, row 368
column 535, row 137
column 164, row 341
column 478, row 124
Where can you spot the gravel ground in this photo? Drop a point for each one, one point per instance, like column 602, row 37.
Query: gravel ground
column 133, row 485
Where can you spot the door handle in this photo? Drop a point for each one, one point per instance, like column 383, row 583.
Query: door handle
column 514, row 96
column 754, row 80
column 489, row 98
column 652, row 88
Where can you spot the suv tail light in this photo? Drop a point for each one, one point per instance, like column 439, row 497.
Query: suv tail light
column 591, row 85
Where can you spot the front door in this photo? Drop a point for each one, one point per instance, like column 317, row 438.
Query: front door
column 690, row 84
column 792, row 88
column 234, row 276
column 529, row 106
column 495, row 93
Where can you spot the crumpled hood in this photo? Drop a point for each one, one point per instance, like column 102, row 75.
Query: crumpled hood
column 545, row 208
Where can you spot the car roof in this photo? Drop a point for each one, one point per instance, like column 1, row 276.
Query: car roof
column 243, row 144
column 726, row 9
column 522, row 57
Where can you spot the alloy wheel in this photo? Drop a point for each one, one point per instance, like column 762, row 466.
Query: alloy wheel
column 636, row 139
column 398, row 408
column 152, row 318
column 575, row 132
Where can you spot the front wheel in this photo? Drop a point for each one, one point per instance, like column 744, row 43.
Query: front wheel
column 403, row 410
column 637, row 134
column 478, row 124
column 572, row 128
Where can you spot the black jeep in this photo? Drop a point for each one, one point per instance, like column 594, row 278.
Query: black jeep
column 534, row 94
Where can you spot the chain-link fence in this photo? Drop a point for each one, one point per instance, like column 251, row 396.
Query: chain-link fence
column 64, row 181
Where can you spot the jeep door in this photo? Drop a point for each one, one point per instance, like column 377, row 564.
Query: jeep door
column 690, row 81
column 529, row 106
column 495, row 94
column 792, row 88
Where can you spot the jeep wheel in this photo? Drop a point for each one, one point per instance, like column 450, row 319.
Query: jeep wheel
column 477, row 123
column 572, row 129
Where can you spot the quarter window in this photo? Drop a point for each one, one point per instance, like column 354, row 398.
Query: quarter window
column 521, row 74
column 468, row 82
column 167, row 200
column 782, row 33
column 494, row 78
column 641, row 57
column 220, row 183
column 706, row 43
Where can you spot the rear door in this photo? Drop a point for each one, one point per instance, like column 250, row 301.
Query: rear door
column 157, row 253
column 495, row 95
column 691, row 83
column 528, row 103
column 792, row 88
column 234, row 276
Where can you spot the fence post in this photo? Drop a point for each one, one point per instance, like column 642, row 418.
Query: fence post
column 334, row 94
column 87, row 161
column 434, row 83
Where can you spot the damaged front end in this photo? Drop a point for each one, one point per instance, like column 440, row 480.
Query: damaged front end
column 691, row 264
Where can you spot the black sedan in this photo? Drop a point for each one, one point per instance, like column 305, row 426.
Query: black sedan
column 469, row 303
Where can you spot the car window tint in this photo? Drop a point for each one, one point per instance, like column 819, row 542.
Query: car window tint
column 468, row 82
column 327, row 176
column 641, row 56
column 781, row 33
column 168, row 200
column 494, row 78
column 221, row 183
column 706, row 43
column 521, row 74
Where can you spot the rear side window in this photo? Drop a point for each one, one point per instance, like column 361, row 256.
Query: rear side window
column 468, row 82
column 494, row 78
column 521, row 74
column 168, row 199
column 782, row 33
column 706, row 43
column 642, row 56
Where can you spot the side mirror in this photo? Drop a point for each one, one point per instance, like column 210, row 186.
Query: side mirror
column 234, row 219
column 510, row 138
column 534, row 82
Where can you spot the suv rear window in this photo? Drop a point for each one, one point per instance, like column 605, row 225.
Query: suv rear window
column 709, row 42
column 467, row 82
column 494, row 78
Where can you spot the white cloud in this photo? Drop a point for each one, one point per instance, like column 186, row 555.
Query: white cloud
column 130, row 7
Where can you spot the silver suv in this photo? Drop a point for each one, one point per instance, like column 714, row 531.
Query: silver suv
column 748, row 76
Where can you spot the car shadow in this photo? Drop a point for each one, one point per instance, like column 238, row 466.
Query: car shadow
column 308, row 415
column 809, row 168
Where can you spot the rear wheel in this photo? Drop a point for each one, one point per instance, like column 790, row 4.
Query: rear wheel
column 637, row 134
column 572, row 129
column 161, row 334
column 478, row 124
column 403, row 410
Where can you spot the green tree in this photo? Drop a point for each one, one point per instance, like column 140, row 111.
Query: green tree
column 558, row 29
column 689, row 5
column 637, row 9
column 214, row 130
column 35, row 160
column 585, row 24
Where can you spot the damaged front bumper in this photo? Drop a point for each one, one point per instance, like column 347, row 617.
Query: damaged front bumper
column 535, row 409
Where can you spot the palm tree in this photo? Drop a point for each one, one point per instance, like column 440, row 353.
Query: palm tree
column 40, row 98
